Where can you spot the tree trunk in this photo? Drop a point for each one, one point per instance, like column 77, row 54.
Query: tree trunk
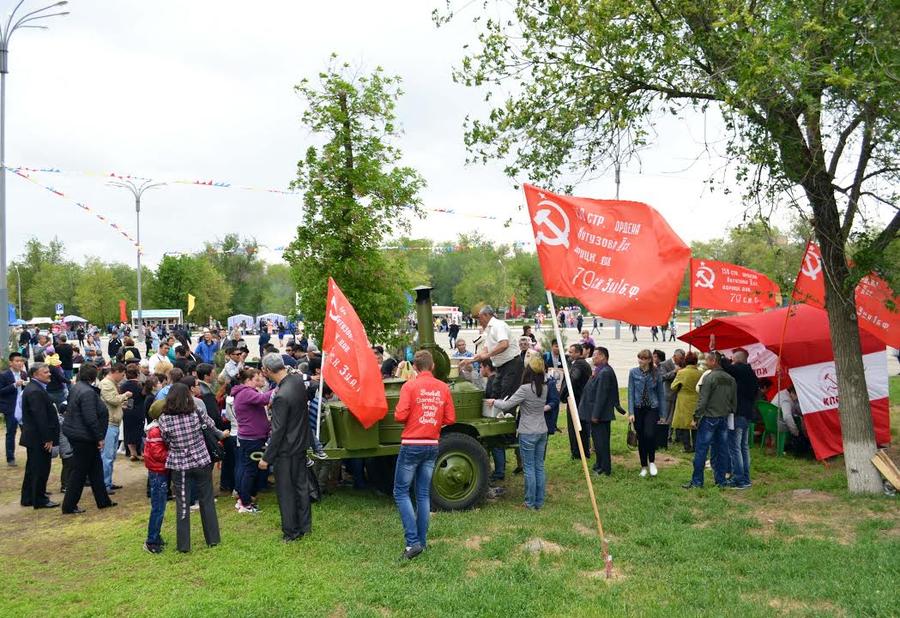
column 854, row 407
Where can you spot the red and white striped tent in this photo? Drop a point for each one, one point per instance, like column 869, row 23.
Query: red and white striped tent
column 808, row 361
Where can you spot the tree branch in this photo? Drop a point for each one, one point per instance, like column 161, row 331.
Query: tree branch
column 842, row 142
column 887, row 235
column 856, row 188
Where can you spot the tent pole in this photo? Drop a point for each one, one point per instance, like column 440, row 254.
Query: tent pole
column 576, row 423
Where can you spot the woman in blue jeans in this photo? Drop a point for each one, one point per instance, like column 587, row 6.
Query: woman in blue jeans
column 531, row 397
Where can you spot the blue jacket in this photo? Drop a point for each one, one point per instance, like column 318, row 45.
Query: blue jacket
column 207, row 351
column 551, row 416
column 8, row 391
column 656, row 390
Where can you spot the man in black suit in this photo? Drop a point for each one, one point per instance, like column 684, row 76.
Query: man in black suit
column 580, row 373
column 601, row 397
column 12, row 382
column 66, row 354
column 40, row 432
column 290, row 439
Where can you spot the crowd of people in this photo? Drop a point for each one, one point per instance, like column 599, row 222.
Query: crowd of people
column 183, row 408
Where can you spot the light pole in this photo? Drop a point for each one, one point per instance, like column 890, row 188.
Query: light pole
column 12, row 23
column 137, row 190
column 19, row 286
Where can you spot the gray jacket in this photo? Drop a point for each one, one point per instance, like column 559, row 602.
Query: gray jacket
column 531, row 408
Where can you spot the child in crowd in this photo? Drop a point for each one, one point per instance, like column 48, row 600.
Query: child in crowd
column 155, row 454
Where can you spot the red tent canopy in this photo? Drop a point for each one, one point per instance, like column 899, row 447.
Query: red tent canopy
column 807, row 336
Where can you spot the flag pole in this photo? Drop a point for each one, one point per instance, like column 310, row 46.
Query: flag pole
column 576, row 423
column 321, row 383
column 690, row 300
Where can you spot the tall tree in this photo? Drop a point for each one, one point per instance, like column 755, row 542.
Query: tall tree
column 24, row 269
column 277, row 291
column 98, row 293
column 354, row 196
column 807, row 90
column 238, row 261
column 53, row 283
column 178, row 276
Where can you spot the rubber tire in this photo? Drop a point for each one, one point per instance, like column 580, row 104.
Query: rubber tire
column 473, row 459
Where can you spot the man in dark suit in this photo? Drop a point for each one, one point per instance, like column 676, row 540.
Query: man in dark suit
column 287, row 447
column 66, row 354
column 40, row 432
column 601, row 397
column 580, row 373
column 12, row 382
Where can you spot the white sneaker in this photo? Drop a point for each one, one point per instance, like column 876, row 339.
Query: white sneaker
column 653, row 470
column 248, row 509
column 643, row 472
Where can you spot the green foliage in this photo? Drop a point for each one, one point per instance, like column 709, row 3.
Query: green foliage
column 176, row 277
column 53, row 283
column 277, row 292
column 238, row 263
column 355, row 196
column 98, row 293
column 27, row 266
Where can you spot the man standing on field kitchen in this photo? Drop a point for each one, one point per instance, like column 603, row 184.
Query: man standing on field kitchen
column 425, row 406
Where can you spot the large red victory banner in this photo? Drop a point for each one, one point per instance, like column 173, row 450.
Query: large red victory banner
column 350, row 367
column 877, row 307
column 621, row 259
column 729, row 287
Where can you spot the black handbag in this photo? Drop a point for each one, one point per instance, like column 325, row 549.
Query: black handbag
column 213, row 446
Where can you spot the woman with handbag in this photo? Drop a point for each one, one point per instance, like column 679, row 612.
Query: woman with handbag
column 253, row 430
column 646, row 406
column 183, row 427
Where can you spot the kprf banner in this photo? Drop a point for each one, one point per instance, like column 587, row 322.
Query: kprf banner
column 729, row 287
column 877, row 308
column 817, row 393
column 350, row 367
column 619, row 258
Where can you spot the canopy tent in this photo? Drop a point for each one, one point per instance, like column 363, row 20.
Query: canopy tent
column 276, row 318
column 73, row 318
column 36, row 321
column 236, row 320
column 18, row 322
column 808, row 361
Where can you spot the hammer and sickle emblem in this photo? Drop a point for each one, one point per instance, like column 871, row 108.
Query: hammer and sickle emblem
column 542, row 219
column 705, row 277
column 812, row 265
column 333, row 311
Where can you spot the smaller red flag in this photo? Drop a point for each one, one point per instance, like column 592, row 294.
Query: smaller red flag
column 810, row 285
column 877, row 309
column 350, row 367
column 729, row 287
column 123, row 316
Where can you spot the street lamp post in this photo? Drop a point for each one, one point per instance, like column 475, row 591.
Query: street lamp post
column 137, row 190
column 19, row 286
column 12, row 23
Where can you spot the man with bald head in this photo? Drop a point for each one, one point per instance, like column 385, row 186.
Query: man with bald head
column 739, row 437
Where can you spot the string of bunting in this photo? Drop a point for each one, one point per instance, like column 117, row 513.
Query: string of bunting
column 22, row 173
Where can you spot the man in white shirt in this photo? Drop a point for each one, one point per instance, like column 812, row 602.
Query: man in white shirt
column 504, row 356
column 160, row 356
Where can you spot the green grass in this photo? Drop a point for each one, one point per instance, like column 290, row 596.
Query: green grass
column 676, row 553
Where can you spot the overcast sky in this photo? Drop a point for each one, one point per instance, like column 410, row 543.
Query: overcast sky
column 204, row 90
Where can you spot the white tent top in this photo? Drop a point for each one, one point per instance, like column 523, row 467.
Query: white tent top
column 275, row 317
column 236, row 320
column 73, row 318
column 36, row 321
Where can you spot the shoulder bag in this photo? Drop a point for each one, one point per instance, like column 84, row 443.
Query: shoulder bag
column 213, row 446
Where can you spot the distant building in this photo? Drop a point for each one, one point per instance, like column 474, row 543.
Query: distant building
column 169, row 317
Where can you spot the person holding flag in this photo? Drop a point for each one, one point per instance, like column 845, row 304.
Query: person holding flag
column 425, row 406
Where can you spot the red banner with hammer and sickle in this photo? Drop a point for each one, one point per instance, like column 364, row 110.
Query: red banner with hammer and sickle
column 729, row 287
column 876, row 304
column 621, row 259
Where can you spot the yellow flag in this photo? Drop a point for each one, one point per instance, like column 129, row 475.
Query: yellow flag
column 191, row 301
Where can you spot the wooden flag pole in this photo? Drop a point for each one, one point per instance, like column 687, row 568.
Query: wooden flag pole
column 321, row 383
column 690, row 300
column 576, row 423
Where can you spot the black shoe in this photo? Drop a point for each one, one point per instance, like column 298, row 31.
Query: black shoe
column 153, row 549
column 112, row 492
column 111, row 504
column 518, row 470
column 76, row 511
column 690, row 485
column 290, row 538
column 12, row 463
column 411, row 552
column 114, row 486
column 50, row 504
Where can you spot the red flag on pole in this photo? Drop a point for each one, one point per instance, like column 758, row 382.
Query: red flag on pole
column 349, row 366
column 877, row 307
column 123, row 316
column 810, row 285
column 621, row 259
column 729, row 287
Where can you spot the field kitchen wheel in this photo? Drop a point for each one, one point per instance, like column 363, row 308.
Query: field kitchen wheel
column 460, row 474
